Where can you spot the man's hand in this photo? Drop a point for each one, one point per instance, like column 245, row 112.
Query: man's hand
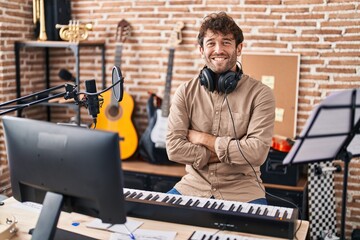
column 206, row 140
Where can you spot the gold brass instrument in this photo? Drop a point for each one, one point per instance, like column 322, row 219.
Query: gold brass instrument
column 39, row 15
column 74, row 31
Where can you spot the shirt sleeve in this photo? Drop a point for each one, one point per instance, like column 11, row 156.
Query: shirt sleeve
column 253, row 147
column 178, row 148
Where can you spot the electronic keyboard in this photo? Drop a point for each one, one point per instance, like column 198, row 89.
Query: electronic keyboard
column 214, row 213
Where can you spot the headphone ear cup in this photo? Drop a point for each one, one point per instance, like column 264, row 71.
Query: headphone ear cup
column 207, row 79
column 227, row 82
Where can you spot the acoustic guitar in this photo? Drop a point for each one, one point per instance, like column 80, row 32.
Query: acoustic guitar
column 152, row 142
column 117, row 116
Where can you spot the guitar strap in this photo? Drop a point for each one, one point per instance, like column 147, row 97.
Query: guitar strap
column 322, row 213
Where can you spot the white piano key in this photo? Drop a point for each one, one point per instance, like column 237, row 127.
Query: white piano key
column 246, row 207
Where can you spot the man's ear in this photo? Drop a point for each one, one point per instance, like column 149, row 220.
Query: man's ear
column 201, row 50
column 239, row 49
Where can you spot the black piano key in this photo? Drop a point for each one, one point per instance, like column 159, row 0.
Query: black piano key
column 189, row 202
column 285, row 214
column 203, row 237
column 239, row 208
column 138, row 195
column 156, row 197
column 207, row 204
column 178, row 201
column 148, row 197
column 217, row 238
column 221, row 206
column 277, row 213
column 132, row 195
column 127, row 193
column 172, row 200
column 213, row 205
column 258, row 211
column 265, row 211
column 210, row 237
column 166, row 198
column 251, row 209
column 232, row 207
column 197, row 202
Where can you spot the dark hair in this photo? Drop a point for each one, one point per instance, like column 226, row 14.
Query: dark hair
column 220, row 23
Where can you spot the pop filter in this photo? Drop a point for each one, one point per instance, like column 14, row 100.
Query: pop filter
column 117, row 82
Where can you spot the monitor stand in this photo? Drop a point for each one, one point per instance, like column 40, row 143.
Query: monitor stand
column 46, row 225
column 62, row 234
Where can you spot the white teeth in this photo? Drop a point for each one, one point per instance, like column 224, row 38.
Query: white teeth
column 219, row 59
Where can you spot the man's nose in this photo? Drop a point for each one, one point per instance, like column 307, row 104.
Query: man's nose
column 219, row 48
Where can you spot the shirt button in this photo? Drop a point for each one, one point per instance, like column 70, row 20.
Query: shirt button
column 214, row 189
column 217, row 112
column 212, row 173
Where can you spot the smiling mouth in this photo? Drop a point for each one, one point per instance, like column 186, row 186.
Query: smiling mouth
column 219, row 59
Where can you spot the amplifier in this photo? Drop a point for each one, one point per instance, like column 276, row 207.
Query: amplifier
column 272, row 171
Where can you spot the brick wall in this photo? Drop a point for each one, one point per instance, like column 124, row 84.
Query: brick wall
column 325, row 32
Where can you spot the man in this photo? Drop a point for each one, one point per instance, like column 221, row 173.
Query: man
column 221, row 122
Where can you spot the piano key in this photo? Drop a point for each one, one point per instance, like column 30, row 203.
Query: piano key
column 207, row 204
column 148, row 197
column 178, row 201
column 133, row 194
column 165, row 199
column 281, row 212
column 138, row 195
column 156, row 197
column 245, row 208
column 221, row 206
column 189, row 202
column 172, row 200
column 196, row 203
column 290, row 212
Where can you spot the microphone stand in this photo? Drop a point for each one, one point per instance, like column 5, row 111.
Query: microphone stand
column 70, row 92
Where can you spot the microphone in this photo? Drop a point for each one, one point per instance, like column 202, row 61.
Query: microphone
column 66, row 75
column 92, row 99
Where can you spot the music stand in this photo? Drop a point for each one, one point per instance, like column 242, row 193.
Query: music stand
column 331, row 132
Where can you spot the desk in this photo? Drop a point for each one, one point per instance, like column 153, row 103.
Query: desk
column 27, row 220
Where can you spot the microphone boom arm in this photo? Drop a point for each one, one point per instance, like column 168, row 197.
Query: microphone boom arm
column 70, row 92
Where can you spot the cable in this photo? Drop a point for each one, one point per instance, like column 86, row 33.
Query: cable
column 257, row 178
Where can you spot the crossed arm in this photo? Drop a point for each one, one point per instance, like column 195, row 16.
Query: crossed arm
column 206, row 140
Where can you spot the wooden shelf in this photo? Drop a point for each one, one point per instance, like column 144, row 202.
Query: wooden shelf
column 134, row 165
column 178, row 170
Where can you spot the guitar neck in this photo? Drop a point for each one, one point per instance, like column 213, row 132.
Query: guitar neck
column 165, row 106
column 118, row 52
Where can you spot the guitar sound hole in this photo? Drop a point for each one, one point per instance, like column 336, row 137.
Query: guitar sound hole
column 114, row 112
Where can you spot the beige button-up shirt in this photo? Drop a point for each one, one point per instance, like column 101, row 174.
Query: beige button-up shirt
column 241, row 151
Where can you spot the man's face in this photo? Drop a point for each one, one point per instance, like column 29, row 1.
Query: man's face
column 220, row 52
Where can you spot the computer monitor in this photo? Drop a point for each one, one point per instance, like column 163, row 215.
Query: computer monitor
column 77, row 169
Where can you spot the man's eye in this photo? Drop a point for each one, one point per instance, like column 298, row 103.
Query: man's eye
column 210, row 44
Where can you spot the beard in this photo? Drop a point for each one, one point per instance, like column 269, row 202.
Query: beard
column 225, row 63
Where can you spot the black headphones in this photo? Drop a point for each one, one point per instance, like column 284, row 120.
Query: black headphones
column 226, row 83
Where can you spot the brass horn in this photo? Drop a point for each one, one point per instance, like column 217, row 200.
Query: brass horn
column 74, row 31
column 39, row 15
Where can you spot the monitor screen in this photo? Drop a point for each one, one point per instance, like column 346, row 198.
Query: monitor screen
column 80, row 165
